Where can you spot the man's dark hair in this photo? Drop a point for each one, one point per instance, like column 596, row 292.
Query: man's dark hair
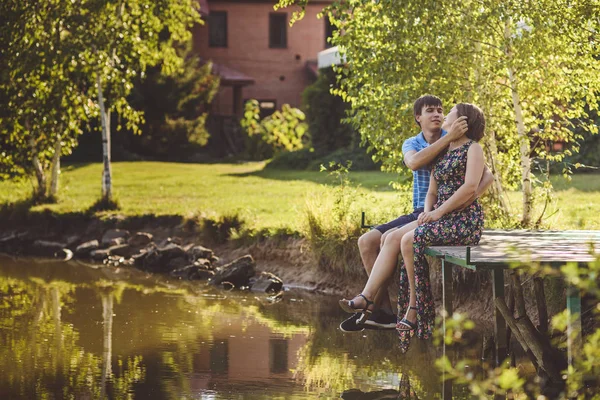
column 475, row 120
column 425, row 100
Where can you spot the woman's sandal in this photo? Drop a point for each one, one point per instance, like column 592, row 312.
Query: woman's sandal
column 410, row 325
column 348, row 306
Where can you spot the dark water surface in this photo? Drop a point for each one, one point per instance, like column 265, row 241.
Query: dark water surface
column 71, row 331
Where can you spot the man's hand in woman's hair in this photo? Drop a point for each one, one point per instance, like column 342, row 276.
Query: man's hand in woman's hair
column 458, row 128
column 429, row 216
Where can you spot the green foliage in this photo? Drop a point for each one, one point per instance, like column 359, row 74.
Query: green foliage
column 284, row 130
column 175, row 108
column 44, row 99
column 221, row 228
column 501, row 380
column 55, row 56
column 531, row 67
column 331, row 226
column 332, row 222
column 324, row 115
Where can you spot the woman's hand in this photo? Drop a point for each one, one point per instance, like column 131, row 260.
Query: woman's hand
column 429, row 216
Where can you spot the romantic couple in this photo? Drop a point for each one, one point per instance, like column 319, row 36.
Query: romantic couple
column 449, row 175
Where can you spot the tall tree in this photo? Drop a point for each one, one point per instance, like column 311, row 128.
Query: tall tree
column 532, row 67
column 123, row 38
column 44, row 101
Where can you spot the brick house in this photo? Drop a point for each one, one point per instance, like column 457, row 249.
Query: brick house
column 257, row 54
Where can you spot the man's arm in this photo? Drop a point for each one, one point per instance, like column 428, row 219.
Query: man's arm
column 420, row 159
column 486, row 180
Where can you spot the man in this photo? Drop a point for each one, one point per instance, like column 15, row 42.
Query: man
column 419, row 152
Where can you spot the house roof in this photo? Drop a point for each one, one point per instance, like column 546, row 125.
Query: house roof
column 230, row 76
column 204, row 10
column 312, row 68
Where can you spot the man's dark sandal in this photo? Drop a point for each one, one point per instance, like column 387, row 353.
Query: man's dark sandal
column 350, row 324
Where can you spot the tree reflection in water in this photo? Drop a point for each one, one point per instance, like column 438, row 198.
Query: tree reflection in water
column 68, row 331
column 40, row 356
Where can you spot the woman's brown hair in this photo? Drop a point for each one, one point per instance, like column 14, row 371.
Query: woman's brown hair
column 475, row 120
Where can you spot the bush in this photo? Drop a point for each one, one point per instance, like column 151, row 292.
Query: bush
column 324, row 114
column 284, row 130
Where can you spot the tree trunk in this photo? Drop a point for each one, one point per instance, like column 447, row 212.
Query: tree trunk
column 496, row 190
column 522, row 134
column 40, row 175
column 55, row 167
column 105, row 120
column 525, row 150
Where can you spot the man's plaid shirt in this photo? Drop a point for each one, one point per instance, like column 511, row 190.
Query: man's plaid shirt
column 420, row 176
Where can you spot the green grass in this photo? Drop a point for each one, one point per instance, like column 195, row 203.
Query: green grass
column 264, row 198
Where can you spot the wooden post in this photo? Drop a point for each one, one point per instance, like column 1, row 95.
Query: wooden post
column 540, row 299
column 499, row 322
column 238, row 105
column 510, row 306
column 574, row 342
column 447, row 300
column 518, row 293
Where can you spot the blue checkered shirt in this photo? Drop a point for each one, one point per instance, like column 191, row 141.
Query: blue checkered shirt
column 420, row 176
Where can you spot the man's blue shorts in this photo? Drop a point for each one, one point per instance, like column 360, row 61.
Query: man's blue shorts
column 400, row 221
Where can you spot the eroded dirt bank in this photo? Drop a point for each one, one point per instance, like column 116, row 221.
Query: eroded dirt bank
column 290, row 258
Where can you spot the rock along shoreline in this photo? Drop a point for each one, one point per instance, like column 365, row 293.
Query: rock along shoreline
column 170, row 256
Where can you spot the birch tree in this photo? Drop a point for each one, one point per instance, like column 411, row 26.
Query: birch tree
column 531, row 66
column 44, row 102
column 123, row 38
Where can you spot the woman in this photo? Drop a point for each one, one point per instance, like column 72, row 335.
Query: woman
column 445, row 221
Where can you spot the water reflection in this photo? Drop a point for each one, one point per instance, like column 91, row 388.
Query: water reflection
column 71, row 331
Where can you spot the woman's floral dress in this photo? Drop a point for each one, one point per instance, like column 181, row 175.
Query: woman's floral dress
column 456, row 228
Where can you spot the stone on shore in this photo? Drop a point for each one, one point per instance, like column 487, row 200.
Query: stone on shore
column 99, row 254
column 116, row 242
column 123, row 250
column 237, row 272
column 111, row 234
column 198, row 252
column 193, row 272
column 140, row 239
column 84, row 249
column 158, row 259
column 266, row 282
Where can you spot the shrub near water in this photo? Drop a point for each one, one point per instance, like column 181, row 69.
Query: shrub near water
column 332, row 225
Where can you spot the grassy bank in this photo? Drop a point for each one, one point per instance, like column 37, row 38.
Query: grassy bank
column 267, row 199
column 263, row 199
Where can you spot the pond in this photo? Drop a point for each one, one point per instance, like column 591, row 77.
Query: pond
column 68, row 330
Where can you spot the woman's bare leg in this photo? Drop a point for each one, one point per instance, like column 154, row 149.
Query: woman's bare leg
column 384, row 267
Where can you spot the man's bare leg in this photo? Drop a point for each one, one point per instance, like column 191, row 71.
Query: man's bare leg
column 385, row 265
column 369, row 246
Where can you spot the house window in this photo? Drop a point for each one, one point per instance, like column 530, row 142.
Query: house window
column 278, row 30
column 217, row 29
column 329, row 29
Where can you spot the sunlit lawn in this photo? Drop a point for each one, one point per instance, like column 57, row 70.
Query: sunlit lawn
column 265, row 199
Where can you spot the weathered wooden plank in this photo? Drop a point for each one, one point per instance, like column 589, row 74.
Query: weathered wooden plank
column 503, row 247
